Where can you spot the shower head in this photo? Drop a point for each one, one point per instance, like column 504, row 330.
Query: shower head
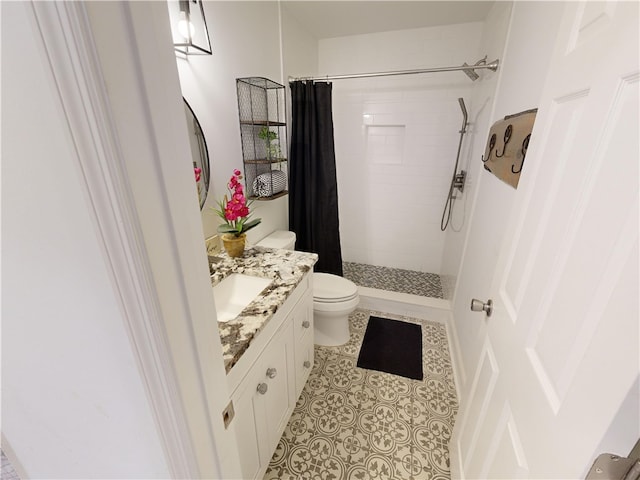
column 464, row 114
column 463, row 108
column 470, row 72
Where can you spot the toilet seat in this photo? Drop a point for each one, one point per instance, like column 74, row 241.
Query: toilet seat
column 328, row 288
column 334, row 300
column 333, row 294
column 336, row 307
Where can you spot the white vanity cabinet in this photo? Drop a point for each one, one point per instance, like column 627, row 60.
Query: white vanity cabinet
column 269, row 377
column 263, row 403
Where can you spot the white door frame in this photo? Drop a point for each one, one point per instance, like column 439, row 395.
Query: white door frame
column 178, row 356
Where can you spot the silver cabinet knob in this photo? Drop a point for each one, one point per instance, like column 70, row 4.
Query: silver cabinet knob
column 262, row 388
column 271, row 372
column 306, row 364
column 306, row 324
column 480, row 306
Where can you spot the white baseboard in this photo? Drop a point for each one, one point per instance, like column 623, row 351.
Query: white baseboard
column 456, row 358
column 426, row 308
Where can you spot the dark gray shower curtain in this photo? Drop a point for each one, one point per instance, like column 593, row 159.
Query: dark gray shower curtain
column 313, row 190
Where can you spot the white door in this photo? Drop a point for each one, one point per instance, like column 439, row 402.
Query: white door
column 560, row 352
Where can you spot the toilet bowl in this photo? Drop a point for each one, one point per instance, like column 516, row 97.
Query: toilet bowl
column 334, row 297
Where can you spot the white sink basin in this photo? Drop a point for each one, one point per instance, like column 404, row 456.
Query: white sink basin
column 235, row 292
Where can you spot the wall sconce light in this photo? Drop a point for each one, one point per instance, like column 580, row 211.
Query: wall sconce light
column 189, row 27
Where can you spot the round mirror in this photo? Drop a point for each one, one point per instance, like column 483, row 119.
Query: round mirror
column 199, row 153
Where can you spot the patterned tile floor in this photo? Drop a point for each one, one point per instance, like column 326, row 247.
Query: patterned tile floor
column 351, row 423
column 394, row 279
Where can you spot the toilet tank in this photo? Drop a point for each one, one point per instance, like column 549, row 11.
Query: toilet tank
column 279, row 239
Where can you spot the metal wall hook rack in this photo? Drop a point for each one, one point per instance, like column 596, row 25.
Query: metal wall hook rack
column 523, row 150
column 506, row 161
column 492, row 143
column 506, row 138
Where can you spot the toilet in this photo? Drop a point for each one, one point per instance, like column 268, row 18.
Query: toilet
column 334, row 297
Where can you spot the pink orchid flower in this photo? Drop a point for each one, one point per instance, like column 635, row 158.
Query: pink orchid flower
column 234, row 209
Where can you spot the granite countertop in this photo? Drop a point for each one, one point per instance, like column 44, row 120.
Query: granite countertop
column 285, row 267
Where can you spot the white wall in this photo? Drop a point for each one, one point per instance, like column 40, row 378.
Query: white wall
column 396, row 140
column 299, row 48
column 299, row 53
column 245, row 40
column 73, row 402
column 524, row 64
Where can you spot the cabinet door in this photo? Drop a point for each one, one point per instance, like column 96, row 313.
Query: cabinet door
column 304, row 362
column 303, row 323
column 264, row 402
column 273, row 407
column 303, row 317
column 245, row 426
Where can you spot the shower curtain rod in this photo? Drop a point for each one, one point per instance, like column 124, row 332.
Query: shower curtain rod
column 493, row 66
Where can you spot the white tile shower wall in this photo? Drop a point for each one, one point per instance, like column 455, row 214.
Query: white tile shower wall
column 396, row 139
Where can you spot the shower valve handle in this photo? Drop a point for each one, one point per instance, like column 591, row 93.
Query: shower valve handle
column 480, row 306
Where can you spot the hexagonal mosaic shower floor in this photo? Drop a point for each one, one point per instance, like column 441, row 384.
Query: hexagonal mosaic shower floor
column 394, row 279
column 351, row 423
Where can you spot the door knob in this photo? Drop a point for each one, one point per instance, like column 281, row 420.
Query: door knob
column 480, row 306
column 306, row 324
column 271, row 372
column 262, row 388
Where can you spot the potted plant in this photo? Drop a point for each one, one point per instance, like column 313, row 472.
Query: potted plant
column 234, row 211
column 273, row 149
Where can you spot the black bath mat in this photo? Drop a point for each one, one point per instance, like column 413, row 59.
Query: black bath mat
column 392, row 346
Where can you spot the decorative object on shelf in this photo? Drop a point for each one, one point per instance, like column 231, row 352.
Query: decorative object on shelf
column 507, row 146
column 189, row 27
column 235, row 213
column 273, row 149
column 261, row 109
column 199, row 153
column 269, row 184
